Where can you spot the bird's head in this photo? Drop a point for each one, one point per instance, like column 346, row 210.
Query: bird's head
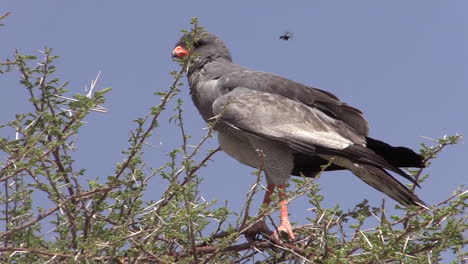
column 203, row 45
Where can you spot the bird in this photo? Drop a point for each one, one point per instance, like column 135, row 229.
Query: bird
column 297, row 128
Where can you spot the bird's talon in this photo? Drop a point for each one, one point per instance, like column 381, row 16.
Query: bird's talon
column 253, row 233
column 284, row 232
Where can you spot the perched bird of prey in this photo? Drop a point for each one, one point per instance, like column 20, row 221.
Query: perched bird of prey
column 297, row 128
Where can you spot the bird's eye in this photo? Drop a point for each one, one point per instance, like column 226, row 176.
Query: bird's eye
column 199, row 43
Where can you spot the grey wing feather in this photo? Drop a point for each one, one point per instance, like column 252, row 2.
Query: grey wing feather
column 386, row 183
column 304, row 129
column 279, row 118
column 313, row 97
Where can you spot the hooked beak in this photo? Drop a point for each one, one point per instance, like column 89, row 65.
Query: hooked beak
column 180, row 52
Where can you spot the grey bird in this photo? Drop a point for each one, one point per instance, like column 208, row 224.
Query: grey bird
column 297, row 128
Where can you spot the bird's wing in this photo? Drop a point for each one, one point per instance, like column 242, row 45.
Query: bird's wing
column 324, row 101
column 304, row 129
column 276, row 117
column 307, row 130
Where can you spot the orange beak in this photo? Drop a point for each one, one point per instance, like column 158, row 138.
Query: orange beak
column 180, row 52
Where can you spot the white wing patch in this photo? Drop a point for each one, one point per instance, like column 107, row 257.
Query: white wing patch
column 304, row 133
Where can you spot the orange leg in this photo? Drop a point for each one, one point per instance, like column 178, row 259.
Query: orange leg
column 285, row 225
column 268, row 193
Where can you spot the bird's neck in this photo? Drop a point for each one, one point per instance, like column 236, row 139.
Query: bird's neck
column 207, row 68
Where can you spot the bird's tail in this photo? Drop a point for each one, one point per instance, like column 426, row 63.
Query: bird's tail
column 397, row 156
column 379, row 179
column 386, row 183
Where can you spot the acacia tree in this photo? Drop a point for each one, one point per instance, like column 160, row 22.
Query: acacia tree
column 109, row 221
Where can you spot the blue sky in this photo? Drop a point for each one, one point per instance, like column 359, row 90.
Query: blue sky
column 403, row 63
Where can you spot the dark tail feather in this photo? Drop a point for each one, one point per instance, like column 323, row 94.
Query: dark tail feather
column 384, row 182
column 363, row 155
column 397, row 156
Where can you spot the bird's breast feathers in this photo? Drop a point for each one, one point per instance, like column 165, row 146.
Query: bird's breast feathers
column 204, row 95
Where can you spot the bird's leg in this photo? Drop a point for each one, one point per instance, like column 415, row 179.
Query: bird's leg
column 285, row 225
column 260, row 226
column 268, row 193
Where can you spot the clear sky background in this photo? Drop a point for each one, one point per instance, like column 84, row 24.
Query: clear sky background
column 403, row 63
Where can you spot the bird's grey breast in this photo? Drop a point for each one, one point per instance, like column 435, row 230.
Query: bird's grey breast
column 204, row 94
column 236, row 144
